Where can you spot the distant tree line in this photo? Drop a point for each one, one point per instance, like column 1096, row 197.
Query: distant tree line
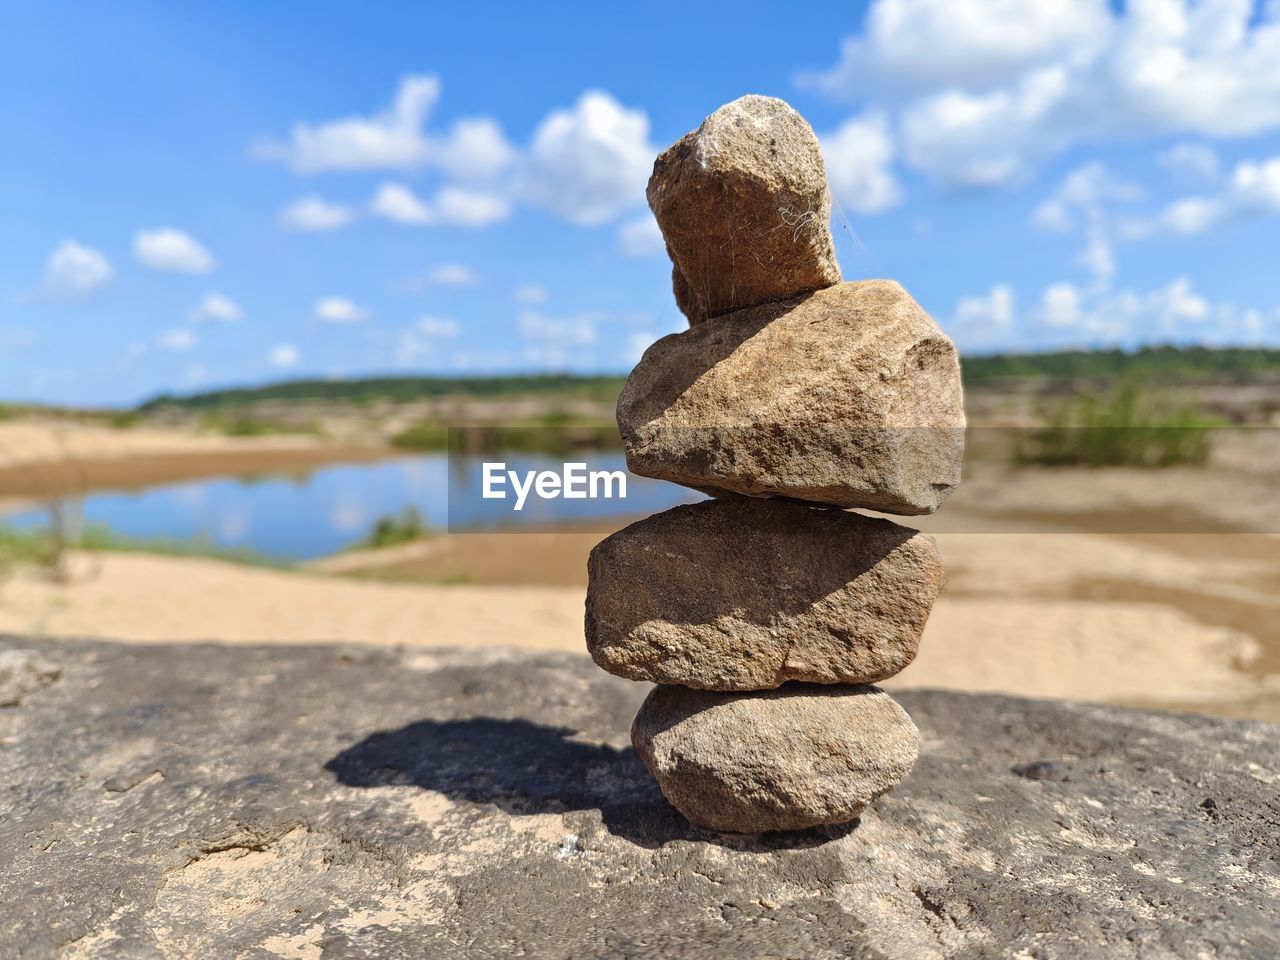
column 397, row 390
column 1162, row 364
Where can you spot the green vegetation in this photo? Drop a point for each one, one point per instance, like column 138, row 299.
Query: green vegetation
column 43, row 548
column 1119, row 429
column 23, row 548
column 398, row 390
column 555, row 433
column 395, row 529
column 244, row 425
column 101, row 538
column 424, row 435
column 125, row 419
column 1160, row 364
column 1152, row 365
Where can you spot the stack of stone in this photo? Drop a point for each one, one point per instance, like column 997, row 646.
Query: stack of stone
column 765, row 613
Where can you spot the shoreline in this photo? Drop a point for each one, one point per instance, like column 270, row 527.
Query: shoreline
column 41, row 462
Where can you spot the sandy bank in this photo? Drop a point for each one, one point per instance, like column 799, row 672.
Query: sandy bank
column 41, row 460
column 1017, row 638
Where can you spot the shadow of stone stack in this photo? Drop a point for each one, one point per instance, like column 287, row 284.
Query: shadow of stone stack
column 765, row 614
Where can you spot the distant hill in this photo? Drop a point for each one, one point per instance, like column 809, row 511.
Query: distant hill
column 1165, row 364
column 1170, row 365
column 397, row 390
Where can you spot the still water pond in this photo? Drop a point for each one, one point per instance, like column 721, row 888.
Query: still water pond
column 309, row 515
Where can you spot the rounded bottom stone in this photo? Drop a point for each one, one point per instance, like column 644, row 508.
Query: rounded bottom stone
column 800, row 756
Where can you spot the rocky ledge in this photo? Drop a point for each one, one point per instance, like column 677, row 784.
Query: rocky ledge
column 322, row 802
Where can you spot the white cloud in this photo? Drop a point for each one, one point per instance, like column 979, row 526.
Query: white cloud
column 411, row 348
column 453, row 205
column 315, row 214
column 1067, row 315
column 1080, row 203
column 641, row 237
column 1060, row 307
column 172, row 251
column 1185, row 217
column 587, row 164
column 467, row 207
column 283, row 355
column 993, row 309
column 921, row 45
column 446, row 328
column 443, row 275
column 590, row 163
column 340, row 311
column 216, row 308
column 392, row 139
column 1174, row 312
column 395, row 201
column 986, row 90
column 859, row 159
column 476, row 150
column 1252, row 190
column 555, row 342
column 1098, row 257
column 986, row 316
column 74, row 270
column 990, row 139
column 1082, row 194
column 452, row 275
column 532, row 293
column 419, row 341
column 1192, row 160
column 180, row 339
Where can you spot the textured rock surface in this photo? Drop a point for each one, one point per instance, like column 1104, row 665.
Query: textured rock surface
column 789, row 759
column 743, row 206
column 746, row 594
column 850, row 396
column 22, row 673
column 180, row 801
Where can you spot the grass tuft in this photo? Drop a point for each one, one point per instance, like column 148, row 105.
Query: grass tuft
column 243, row 424
column 395, row 529
column 1120, row 429
column 555, row 433
column 41, row 548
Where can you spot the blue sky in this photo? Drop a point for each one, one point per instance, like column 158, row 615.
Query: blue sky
column 234, row 193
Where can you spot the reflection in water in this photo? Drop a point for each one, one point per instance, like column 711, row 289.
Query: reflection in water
column 301, row 517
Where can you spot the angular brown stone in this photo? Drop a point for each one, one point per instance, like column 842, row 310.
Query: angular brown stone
column 849, row 396
column 787, row 759
column 743, row 205
column 746, row 594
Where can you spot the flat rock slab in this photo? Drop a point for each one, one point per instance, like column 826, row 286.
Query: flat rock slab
column 330, row 802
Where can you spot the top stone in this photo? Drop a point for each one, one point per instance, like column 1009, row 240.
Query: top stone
column 743, row 206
